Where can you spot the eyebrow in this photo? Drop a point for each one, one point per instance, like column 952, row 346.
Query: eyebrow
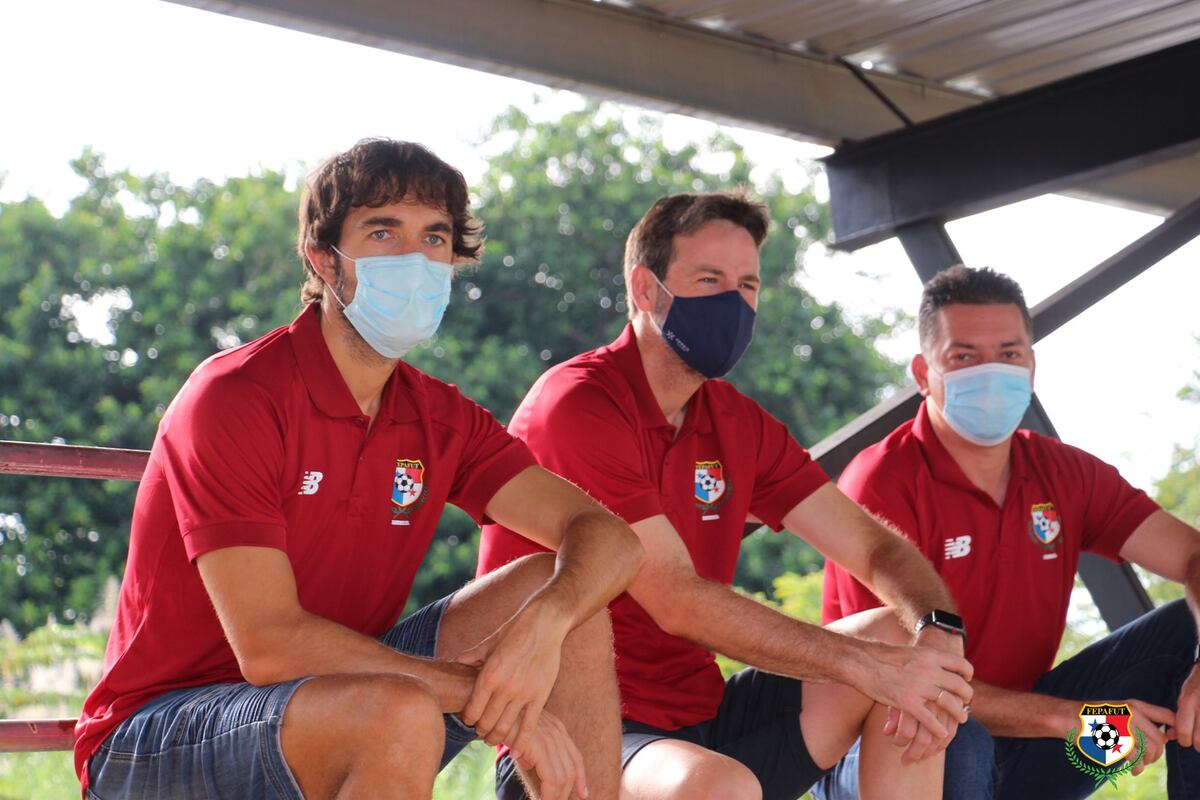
column 969, row 346
column 394, row 222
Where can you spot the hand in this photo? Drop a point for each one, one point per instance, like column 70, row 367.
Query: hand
column 927, row 686
column 919, row 741
column 1187, row 712
column 553, row 757
column 1146, row 718
column 518, row 665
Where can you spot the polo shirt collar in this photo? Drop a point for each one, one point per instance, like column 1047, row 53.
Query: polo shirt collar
column 629, row 361
column 943, row 466
column 325, row 383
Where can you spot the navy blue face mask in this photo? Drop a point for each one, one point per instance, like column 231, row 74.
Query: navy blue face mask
column 710, row 333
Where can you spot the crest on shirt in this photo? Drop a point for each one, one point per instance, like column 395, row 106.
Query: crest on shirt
column 711, row 488
column 409, row 483
column 1044, row 524
column 710, row 481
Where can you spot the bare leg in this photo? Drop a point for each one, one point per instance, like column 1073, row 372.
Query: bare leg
column 881, row 773
column 670, row 769
column 363, row 736
column 585, row 696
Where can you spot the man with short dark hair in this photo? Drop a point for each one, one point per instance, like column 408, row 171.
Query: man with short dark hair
column 293, row 488
column 644, row 426
column 1003, row 515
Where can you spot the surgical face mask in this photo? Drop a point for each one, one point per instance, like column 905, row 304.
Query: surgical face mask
column 710, row 333
column 399, row 301
column 984, row 404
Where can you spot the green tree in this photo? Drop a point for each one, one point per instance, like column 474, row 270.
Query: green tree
column 175, row 273
column 115, row 303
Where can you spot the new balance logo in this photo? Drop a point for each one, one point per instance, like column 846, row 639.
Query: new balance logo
column 311, row 482
column 958, row 547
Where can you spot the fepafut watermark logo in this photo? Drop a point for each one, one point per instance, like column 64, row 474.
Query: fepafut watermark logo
column 1106, row 739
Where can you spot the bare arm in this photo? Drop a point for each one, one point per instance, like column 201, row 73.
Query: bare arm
column 274, row 639
column 718, row 618
column 598, row 555
column 1169, row 547
column 880, row 558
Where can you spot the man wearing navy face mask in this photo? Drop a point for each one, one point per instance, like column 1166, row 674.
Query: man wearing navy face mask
column 687, row 460
column 292, row 491
column 1003, row 515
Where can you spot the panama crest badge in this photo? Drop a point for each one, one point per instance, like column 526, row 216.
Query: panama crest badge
column 1044, row 524
column 408, row 486
column 1107, row 744
column 712, row 486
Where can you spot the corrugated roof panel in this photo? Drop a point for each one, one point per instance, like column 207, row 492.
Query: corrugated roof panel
column 1101, row 48
column 1054, row 31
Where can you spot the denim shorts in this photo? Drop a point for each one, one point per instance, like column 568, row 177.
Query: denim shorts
column 222, row 740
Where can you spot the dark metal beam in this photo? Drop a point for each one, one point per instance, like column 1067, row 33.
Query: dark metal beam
column 1115, row 588
column 835, row 451
column 1047, row 139
column 928, row 247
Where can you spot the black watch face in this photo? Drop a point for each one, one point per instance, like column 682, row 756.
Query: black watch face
column 946, row 619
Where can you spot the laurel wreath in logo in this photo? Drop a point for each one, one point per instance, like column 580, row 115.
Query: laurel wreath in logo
column 1103, row 775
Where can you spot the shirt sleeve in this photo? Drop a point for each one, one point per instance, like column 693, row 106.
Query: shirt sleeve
column 1112, row 508
column 842, row 593
column 491, row 457
column 221, row 450
column 787, row 473
column 579, row 431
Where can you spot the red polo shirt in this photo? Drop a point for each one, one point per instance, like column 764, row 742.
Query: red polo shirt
column 265, row 446
column 1010, row 568
column 594, row 420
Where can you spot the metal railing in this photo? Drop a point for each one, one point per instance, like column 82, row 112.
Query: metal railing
column 59, row 461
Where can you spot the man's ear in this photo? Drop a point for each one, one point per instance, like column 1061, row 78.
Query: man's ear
column 1032, row 366
column 642, row 286
column 920, row 371
column 323, row 261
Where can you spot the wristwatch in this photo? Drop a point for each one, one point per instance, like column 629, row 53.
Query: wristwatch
column 951, row 623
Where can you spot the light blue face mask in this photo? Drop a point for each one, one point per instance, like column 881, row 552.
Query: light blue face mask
column 984, row 404
column 399, row 301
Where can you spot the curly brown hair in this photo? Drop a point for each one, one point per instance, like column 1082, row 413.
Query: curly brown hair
column 373, row 173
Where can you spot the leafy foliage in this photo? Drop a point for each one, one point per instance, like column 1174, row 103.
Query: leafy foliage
column 114, row 302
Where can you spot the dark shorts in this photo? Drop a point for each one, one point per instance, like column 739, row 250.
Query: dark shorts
column 222, row 740
column 757, row 724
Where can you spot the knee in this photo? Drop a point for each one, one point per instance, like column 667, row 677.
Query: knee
column 382, row 711
column 716, row 779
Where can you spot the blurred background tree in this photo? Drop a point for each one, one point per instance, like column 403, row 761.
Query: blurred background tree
column 110, row 305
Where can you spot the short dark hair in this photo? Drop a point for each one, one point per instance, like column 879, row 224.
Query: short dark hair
column 373, row 173
column 960, row 284
column 652, row 240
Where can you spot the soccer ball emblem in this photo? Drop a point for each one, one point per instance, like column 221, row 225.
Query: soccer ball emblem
column 1105, row 735
column 405, row 483
column 708, row 483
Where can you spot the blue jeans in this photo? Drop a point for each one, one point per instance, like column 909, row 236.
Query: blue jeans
column 222, row 740
column 1148, row 659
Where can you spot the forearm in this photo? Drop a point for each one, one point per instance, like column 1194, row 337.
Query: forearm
column 311, row 645
column 755, row 634
column 904, row 580
column 1005, row 712
column 597, row 559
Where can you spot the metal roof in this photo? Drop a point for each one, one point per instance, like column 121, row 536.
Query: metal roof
column 793, row 67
